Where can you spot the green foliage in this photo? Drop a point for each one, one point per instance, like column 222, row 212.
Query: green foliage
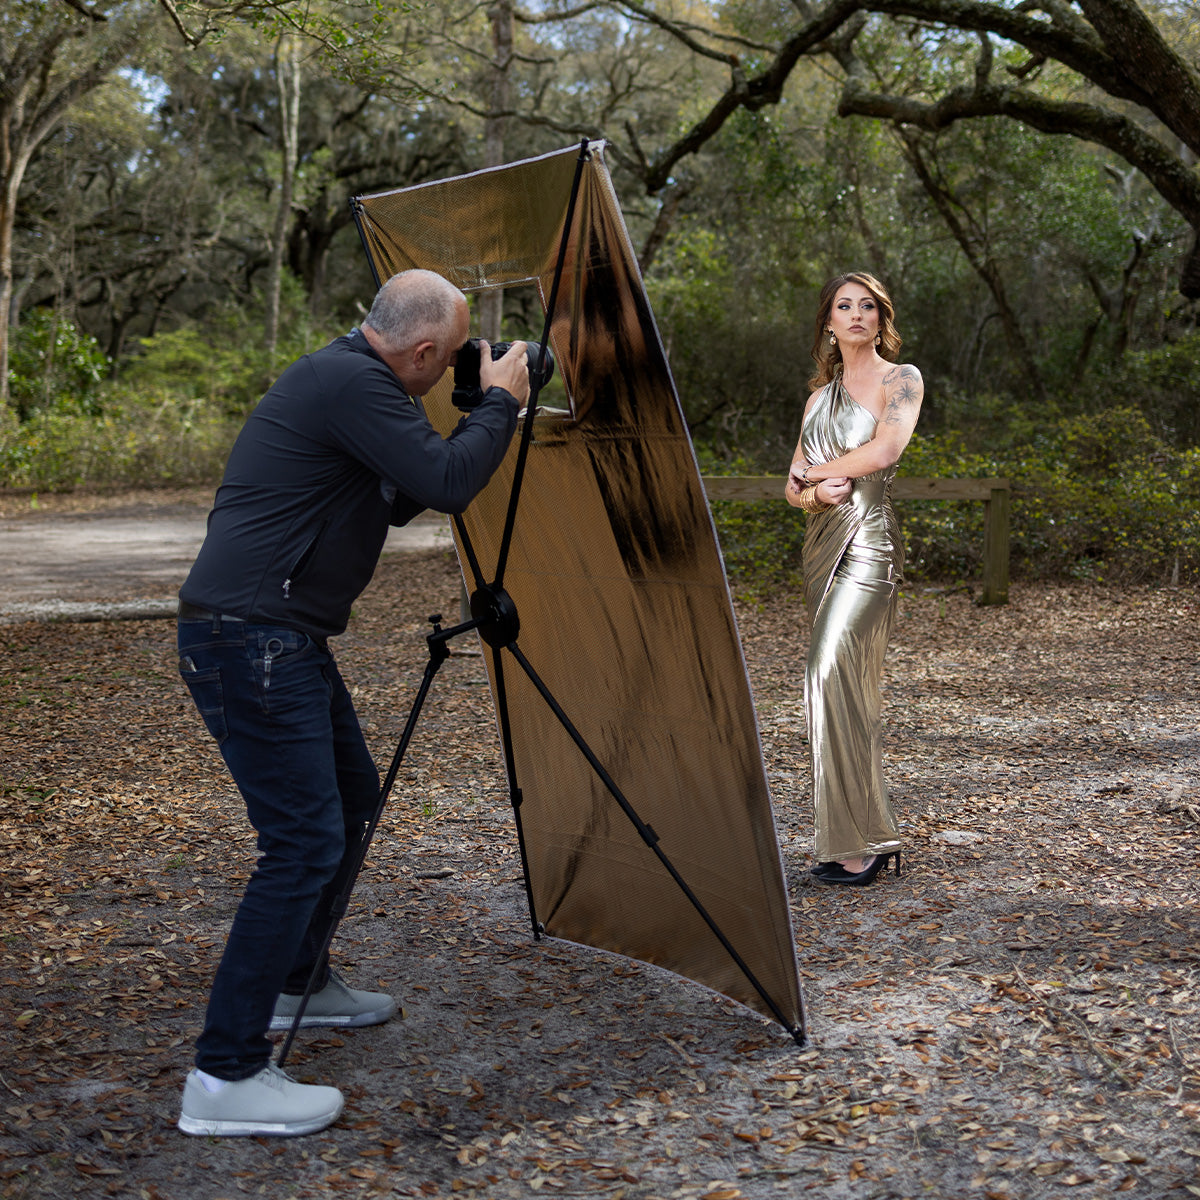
column 761, row 540
column 982, row 422
column 1164, row 382
column 761, row 543
column 197, row 366
column 943, row 539
column 1102, row 498
column 169, row 419
column 135, row 441
column 52, row 363
column 1094, row 497
column 217, row 362
column 735, row 369
column 1098, row 497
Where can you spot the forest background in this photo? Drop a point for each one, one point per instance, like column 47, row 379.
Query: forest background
column 175, row 178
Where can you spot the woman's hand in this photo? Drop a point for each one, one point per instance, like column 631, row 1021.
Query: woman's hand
column 834, row 491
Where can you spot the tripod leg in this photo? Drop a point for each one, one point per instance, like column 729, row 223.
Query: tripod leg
column 438, row 654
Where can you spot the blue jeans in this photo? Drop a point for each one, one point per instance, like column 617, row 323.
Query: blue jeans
column 274, row 701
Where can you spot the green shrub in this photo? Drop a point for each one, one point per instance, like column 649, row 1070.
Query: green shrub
column 1165, row 383
column 223, row 361
column 760, row 541
column 943, row 539
column 171, row 416
column 1097, row 497
column 132, row 443
column 197, row 366
column 1102, row 498
column 51, row 363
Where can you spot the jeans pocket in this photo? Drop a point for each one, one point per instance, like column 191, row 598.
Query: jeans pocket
column 278, row 648
column 207, row 695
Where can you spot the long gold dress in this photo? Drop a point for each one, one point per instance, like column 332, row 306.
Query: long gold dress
column 853, row 565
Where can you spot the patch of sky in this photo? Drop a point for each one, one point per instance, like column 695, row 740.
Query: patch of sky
column 152, row 89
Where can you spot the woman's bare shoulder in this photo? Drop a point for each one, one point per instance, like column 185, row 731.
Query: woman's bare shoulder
column 899, row 372
column 902, row 381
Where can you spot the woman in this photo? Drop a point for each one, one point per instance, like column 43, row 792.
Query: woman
column 855, row 427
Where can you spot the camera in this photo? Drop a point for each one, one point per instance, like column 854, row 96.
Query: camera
column 467, row 391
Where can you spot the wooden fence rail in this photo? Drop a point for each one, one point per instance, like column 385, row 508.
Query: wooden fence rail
column 993, row 492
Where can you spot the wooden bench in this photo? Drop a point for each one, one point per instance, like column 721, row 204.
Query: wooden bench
column 993, row 492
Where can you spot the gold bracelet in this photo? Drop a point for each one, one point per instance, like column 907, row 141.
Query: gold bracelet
column 809, row 501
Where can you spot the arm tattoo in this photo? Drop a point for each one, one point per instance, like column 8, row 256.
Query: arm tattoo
column 903, row 388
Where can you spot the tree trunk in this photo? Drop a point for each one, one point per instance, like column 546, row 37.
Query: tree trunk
column 8, row 197
column 669, row 200
column 287, row 80
column 491, row 302
column 36, row 93
column 975, row 249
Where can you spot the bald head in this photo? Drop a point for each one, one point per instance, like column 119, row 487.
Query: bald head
column 416, row 325
column 413, row 307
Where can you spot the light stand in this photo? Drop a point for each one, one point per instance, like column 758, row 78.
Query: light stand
column 495, row 616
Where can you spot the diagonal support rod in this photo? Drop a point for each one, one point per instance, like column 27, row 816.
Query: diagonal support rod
column 647, row 834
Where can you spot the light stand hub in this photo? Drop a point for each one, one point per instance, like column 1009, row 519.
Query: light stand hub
column 496, row 614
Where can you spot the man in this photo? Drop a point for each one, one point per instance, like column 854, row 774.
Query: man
column 337, row 450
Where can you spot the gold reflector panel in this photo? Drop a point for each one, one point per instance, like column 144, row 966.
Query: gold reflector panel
column 625, row 614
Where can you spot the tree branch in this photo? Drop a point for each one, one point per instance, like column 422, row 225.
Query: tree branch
column 168, row 6
column 752, row 93
column 1178, row 185
column 1135, row 42
column 973, row 242
column 1082, row 48
column 84, row 11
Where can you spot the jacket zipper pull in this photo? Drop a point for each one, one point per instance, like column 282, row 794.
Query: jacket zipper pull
column 287, row 589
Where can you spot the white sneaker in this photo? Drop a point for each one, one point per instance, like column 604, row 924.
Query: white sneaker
column 335, row 1006
column 270, row 1104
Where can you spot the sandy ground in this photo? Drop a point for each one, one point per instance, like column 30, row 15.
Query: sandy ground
column 96, row 557
column 1016, row 1017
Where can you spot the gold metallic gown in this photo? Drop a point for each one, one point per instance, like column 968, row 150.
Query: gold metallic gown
column 853, row 564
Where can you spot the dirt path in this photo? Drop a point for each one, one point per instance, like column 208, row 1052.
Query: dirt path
column 96, row 557
column 1017, row 1016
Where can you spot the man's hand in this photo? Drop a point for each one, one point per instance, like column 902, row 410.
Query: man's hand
column 510, row 372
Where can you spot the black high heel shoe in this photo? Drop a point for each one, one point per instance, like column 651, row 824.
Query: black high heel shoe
column 837, row 874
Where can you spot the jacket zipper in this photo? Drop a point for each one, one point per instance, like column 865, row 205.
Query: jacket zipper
column 302, row 561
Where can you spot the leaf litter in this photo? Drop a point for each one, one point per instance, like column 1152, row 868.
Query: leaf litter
column 1015, row 1016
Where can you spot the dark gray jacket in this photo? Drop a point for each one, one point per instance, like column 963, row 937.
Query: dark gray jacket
column 332, row 455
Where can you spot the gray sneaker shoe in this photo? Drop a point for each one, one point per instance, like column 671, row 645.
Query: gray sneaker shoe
column 335, row 1006
column 270, row 1104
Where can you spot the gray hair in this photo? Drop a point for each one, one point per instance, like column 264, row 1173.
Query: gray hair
column 414, row 306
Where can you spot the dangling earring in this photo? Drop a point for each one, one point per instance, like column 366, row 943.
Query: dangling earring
column 878, row 339
column 832, row 338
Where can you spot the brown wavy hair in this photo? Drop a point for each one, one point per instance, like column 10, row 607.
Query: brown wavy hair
column 829, row 358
